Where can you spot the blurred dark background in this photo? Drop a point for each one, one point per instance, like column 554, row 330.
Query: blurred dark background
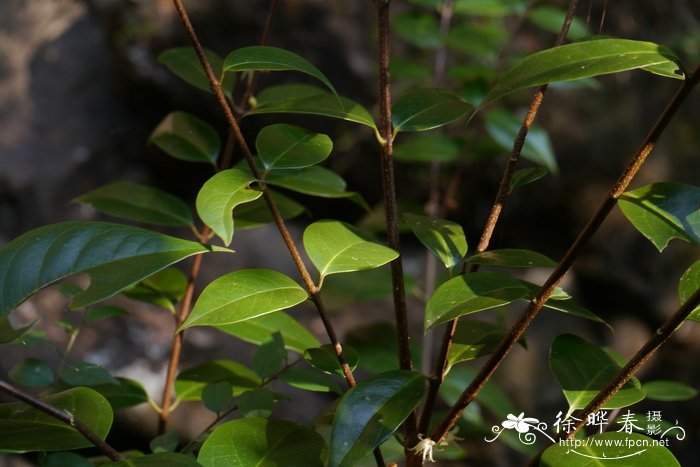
column 81, row 89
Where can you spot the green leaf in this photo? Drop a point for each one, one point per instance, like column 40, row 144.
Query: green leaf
column 266, row 58
column 189, row 383
column 336, row 247
column 504, row 128
column 325, row 359
column 261, row 442
column 256, row 213
column 107, row 311
column 65, row 459
column 242, row 295
column 524, row 177
column 443, row 238
column 139, row 203
column 424, row 148
column 512, row 258
column 427, row 108
column 283, row 146
column 582, row 60
column 8, row 334
column 551, row 19
column 24, row 428
column 171, row 459
column 256, row 403
column 167, row 442
column 86, row 374
column 257, row 330
column 491, row 396
column 488, row 7
column 164, row 289
column 371, row 412
column 688, row 285
column 217, row 396
column 188, row 138
column 663, row 390
column 309, row 380
column 69, row 290
column 469, row 293
column 183, row 61
column 32, row 373
column 664, row 211
column 474, row 339
column 127, row 393
column 419, row 29
column 583, row 369
column 220, row 195
column 270, row 356
column 609, row 450
column 310, row 100
column 114, row 256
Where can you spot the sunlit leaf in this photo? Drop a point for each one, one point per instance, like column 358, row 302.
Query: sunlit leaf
column 445, row 239
column 663, row 390
column 688, row 285
column 283, row 146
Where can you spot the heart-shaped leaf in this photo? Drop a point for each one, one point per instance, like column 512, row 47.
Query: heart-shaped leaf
column 24, row 428
column 244, row 294
column 188, row 138
column 263, row 442
column 427, row 108
column 283, row 146
column 583, row 369
column 512, row 258
column 257, row 330
column 115, row 256
column 470, row 293
column 266, row 58
column 664, row 211
column 585, row 59
column 368, row 414
column 220, row 195
column 183, row 61
column 190, row 382
column 335, row 247
column 688, row 285
column 445, row 239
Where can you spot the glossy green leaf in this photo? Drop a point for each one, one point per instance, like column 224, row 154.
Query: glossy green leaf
column 103, row 312
column 190, row 382
column 242, row 295
column 336, row 247
column 474, row 339
column 139, row 203
column 582, row 60
column 217, row 396
column 256, row 213
column 524, row 177
column 127, row 393
column 664, row 211
column 663, row 390
column 512, row 258
column 427, row 108
column 610, row 450
column 419, row 29
column 583, row 369
column 220, row 195
column 160, row 459
column 164, row 289
column 470, row 293
column 256, row 403
column 8, row 334
column 270, row 357
column 188, row 138
column 325, row 359
column 283, row 146
column 503, row 127
column 429, row 147
column 183, row 61
column 167, row 442
column 309, row 380
column 32, row 373
column 86, row 374
column 371, row 412
column 445, row 239
column 115, row 256
column 257, row 330
column 489, row 7
column 688, row 285
column 24, row 428
column 310, row 100
column 551, row 19
column 266, row 58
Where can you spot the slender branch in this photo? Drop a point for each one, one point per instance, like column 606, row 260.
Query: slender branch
column 492, row 221
column 253, row 79
column 536, row 304
column 64, row 416
column 640, row 359
column 274, row 211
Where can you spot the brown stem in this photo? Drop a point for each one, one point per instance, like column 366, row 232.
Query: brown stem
column 492, row 221
column 64, row 416
column 274, row 211
column 536, row 304
column 640, row 359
